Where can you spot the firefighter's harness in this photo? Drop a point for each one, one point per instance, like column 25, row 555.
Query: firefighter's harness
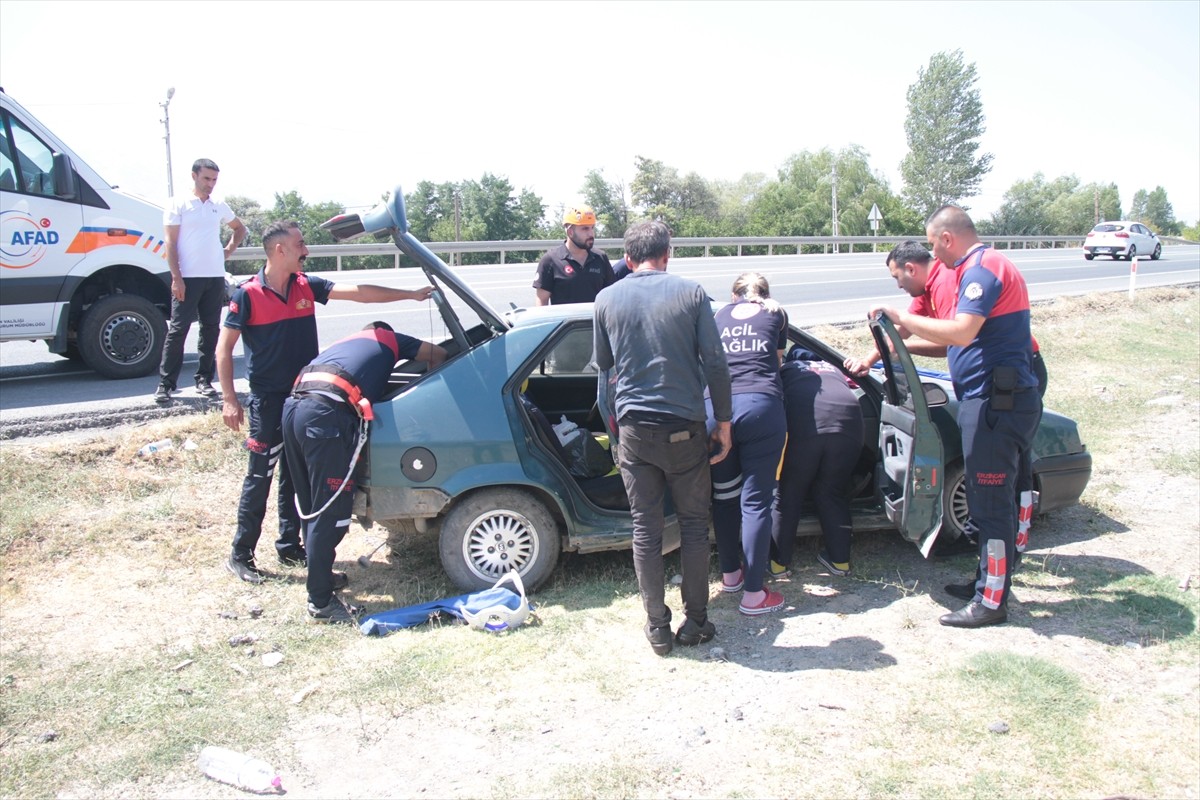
column 331, row 381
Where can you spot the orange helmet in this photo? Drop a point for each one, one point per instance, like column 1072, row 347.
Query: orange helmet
column 579, row 215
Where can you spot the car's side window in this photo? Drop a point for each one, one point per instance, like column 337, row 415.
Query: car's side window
column 572, row 354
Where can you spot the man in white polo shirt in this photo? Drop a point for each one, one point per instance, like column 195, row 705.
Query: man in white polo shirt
column 197, row 261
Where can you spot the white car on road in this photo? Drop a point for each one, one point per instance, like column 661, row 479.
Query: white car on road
column 1121, row 239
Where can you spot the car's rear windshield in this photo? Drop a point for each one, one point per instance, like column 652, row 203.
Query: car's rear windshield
column 1108, row 227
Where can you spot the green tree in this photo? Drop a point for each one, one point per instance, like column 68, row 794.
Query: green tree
column 944, row 123
column 1155, row 210
column 608, row 201
column 252, row 215
column 688, row 204
column 291, row 206
column 800, row 202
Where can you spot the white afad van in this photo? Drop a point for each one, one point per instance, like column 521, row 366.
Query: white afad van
column 82, row 265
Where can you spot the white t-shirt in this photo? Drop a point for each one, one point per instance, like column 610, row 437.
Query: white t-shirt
column 201, row 254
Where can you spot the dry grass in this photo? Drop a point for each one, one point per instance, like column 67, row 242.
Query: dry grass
column 116, row 615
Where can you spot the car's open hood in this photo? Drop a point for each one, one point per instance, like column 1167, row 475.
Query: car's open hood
column 389, row 219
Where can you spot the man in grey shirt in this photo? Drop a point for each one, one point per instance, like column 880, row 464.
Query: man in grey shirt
column 657, row 330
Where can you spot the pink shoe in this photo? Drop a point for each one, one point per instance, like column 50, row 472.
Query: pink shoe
column 772, row 602
column 730, row 588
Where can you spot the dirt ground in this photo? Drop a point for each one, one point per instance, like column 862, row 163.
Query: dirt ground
column 853, row 690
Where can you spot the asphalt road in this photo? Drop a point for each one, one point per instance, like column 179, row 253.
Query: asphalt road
column 42, row 393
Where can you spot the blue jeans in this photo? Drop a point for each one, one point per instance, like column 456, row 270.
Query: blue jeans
column 264, row 440
column 744, row 485
column 652, row 460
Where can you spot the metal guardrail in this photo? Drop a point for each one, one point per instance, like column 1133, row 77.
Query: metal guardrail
column 738, row 245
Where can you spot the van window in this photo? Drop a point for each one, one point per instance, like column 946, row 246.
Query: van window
column 33, row 172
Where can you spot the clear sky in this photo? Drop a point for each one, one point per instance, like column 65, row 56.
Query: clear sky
column 341, row 101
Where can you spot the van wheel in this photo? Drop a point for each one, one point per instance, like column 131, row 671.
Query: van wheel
column 496, row 530
column 121, row 336
column 954, row 501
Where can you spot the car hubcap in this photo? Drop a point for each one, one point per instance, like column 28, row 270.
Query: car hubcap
column 958, row 504
column 499, row 541
column 126, row 338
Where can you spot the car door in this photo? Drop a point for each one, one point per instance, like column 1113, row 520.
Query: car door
column 911, row 460
column 1145, row 240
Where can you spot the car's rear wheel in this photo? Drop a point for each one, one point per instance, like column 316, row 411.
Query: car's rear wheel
column 493, row 531
column 954, row 501
column 1088, row 256
column 1157, row 252
column 1131, row 253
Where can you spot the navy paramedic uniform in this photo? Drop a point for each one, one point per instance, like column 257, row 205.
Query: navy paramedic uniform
column 568, row 281
column 825, row 440
column 998, row 412
column 320, row 429
column 744, row 482
column 279, row 336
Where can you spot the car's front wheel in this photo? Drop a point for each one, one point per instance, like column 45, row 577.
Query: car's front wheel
column 1157, row 252
column 493, row 531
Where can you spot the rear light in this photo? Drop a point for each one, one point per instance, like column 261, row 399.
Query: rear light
column 1091, row 234
column 1122, row 235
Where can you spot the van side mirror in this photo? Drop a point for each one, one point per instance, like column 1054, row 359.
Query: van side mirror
column 66, row 187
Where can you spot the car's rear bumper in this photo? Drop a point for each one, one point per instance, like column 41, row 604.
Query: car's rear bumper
column 1105, row 250
column 1060, row 480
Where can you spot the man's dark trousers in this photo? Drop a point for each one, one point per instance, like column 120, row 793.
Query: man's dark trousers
column 264, row 440
column 203, row 297
column 319, row 437
column 650, row 464
column 992, row 443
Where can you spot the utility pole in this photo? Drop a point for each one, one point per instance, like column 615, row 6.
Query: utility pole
column 835, row 209
column 166, row 121
column 1096, row 208
column 457, row 227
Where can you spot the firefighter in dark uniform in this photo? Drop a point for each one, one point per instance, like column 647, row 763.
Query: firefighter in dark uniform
column 991, row 364
column 329, row 406
column 573, row 272
column 753, row 331
column 825, row 439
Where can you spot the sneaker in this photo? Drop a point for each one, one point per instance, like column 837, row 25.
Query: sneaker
column 834, row 568
column 245, row 570
column 205, row 388
column 777, row 571
column 690, row 634
column 340, row 580
column 335, row 612
column 659, row 638
column 295, row 557
column 730, row 588
column 162, row 395
column 773, row 601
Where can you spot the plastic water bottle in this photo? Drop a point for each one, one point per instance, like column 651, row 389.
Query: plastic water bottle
column 155, row 447
column 238, row 769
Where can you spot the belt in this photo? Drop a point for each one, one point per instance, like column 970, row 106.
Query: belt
column 341, row 385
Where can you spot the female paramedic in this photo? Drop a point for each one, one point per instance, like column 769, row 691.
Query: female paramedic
column 753, row 331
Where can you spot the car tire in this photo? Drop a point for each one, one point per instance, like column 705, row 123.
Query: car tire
column 1131, row 253
column 492, row 531
column 1157, row 252
column 121, row 336
column 1088, row 256
column 954, row 501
